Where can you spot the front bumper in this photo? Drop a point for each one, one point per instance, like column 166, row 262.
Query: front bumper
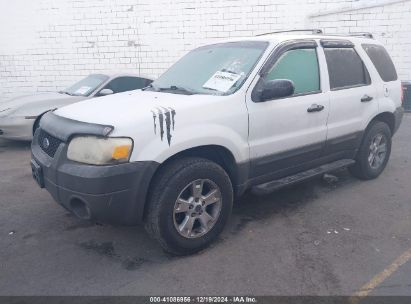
column 16, row 128
column 111, row 194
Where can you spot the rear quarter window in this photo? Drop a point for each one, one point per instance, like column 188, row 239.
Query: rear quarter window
column 345, row 68
column 382, row 61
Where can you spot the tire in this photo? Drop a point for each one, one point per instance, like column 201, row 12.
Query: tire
column 167, row 223
column 367, row 167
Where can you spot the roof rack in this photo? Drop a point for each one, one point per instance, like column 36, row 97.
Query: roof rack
column 321, row 32
column 354, row 34
column 313, row 31
column 362, row 34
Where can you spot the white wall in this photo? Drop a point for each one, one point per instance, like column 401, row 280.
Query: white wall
column 46, row 45
column 388, row 20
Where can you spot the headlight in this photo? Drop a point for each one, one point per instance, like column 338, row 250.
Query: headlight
column 100, row 151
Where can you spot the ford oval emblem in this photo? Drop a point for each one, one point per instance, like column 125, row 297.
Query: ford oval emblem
column 46, row 143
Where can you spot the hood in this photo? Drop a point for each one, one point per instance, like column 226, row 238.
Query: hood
column 128, row 107
column 37, row 104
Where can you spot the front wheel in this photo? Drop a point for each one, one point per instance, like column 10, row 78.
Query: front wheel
column 189, row 204
column 374, row 152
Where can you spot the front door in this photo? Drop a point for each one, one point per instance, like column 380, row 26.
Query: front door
column 286, row 133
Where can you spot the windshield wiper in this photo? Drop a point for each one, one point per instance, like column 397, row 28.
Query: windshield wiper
column 150, row 87
column 64, row 92
column 216, row 91
column 174, row 88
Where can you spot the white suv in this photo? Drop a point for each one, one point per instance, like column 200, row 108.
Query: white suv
column 255, row 113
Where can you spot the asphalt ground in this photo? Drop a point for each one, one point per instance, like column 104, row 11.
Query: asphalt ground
column 333, row 236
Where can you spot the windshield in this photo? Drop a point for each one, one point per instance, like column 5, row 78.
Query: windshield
column 218, row 69
column 85, row 86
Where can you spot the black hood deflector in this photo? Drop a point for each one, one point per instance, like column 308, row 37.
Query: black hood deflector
column 64, row 128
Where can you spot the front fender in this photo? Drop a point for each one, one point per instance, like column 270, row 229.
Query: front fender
column 191, row 137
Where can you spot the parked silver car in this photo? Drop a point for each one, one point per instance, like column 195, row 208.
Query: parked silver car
column 20, row 116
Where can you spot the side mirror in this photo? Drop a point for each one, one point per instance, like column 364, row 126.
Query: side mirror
column 105, row 92
column 278, row 88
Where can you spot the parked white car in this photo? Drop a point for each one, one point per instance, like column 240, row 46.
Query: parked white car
column 20, row 116
column 255, row 113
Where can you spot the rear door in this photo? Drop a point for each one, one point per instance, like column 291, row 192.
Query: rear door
column 353, row 100
column 387, row 84
column 283, row 133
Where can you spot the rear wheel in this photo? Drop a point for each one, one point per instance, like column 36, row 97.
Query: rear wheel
column 189, row 204
column 374, row 152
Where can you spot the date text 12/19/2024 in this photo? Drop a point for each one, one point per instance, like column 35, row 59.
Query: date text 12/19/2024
column 204, row 299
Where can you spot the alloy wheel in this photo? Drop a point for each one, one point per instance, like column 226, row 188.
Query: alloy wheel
column 197, row 208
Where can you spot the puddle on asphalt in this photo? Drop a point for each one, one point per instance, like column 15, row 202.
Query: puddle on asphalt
column 107, row 249
column 104, row 248
column 81, row 225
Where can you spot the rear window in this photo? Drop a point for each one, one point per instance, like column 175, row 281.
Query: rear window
column 382, row 61
column 345, row 68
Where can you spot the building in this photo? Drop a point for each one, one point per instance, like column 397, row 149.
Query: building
column 46, row 45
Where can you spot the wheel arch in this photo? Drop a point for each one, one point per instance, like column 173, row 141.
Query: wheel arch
column 387, row 117
column 215, row 153
column 37, row 120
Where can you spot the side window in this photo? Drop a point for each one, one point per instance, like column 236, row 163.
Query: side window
column 382, row 61
column 346, row 68
column 123, row 84
column 301, row 67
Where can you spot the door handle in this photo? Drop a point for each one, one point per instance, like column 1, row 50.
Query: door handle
column 366, row 98
column 315, row 108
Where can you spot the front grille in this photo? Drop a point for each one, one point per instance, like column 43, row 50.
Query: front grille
column 48, row 143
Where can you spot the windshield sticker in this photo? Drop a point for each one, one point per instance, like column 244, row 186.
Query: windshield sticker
column 235, row 67
column 82, row 90
column 222, row 81
column 165, row 117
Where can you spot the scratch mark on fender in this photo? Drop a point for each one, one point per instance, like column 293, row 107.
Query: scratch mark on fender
column 160, row 119
column 154, row 120
column 167, row 113
column 166, row 116
column 173, row 114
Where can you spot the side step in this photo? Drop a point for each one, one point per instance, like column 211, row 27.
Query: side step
column 269, row 187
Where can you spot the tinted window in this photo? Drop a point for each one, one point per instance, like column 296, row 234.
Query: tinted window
column 301, row 67
column 123, row 84
column 381, row 61
column 345, row 68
